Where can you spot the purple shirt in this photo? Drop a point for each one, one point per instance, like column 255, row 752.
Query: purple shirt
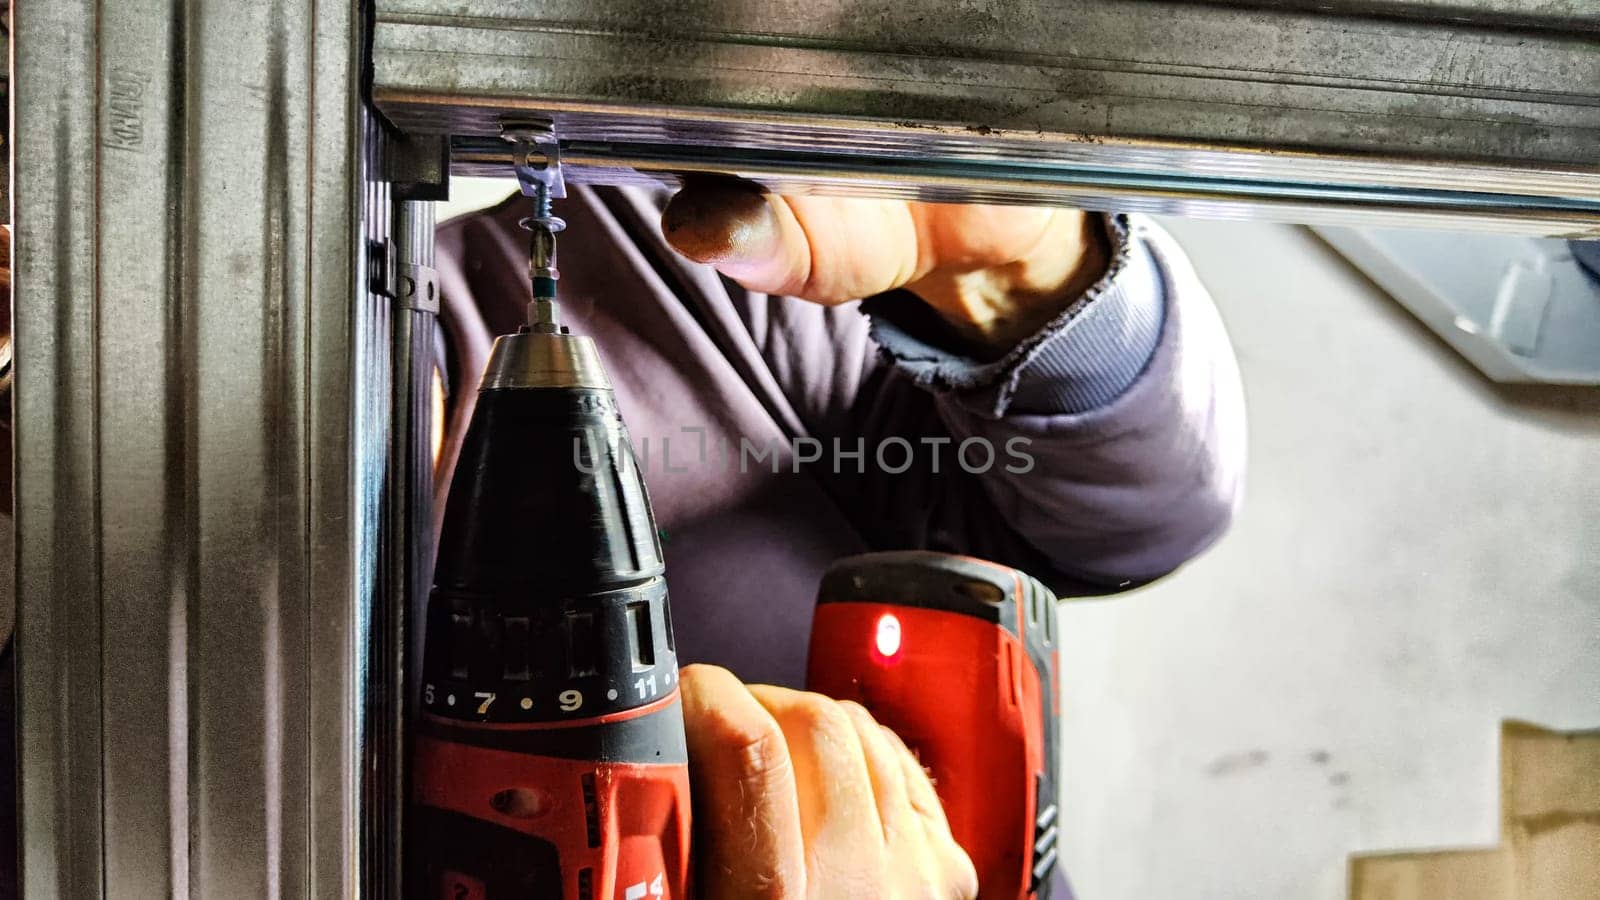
column 778, row 435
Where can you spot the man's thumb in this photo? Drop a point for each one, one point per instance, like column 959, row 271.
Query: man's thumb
column 749, row 235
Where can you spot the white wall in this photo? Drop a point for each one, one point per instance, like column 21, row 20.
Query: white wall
column 1417, row 558
column 472, row 194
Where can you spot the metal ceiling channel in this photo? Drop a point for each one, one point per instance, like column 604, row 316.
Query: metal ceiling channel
column 1478, row 113
column 209, row 391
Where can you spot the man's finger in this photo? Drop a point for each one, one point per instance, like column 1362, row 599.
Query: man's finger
column 887, row 772
column 743, row 780
column 952, row 857
column 825, row 249
column 919, row 790
column 831, row 770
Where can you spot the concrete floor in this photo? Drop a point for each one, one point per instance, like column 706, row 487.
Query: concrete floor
column 1417, row 558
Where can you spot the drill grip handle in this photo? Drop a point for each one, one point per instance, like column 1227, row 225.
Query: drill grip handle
column 958, row 657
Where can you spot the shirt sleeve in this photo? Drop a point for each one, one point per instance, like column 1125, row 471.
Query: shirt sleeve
column 1087, row 456
column 1082, row 359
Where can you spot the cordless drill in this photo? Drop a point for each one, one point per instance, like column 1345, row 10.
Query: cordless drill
column 958, row 657
column 548, row 758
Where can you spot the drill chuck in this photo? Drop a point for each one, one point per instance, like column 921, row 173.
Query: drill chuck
column 549, row 757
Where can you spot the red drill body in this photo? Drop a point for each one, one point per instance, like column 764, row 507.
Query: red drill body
column 958, row 657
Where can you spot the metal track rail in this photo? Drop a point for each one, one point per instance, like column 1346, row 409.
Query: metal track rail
column 1489, row 117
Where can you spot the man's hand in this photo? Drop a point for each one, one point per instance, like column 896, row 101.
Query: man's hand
column 996, row 274
column 799, row 796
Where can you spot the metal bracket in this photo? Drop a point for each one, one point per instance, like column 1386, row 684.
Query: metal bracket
column 414, row 285
column 536, row 158
column 418, row 165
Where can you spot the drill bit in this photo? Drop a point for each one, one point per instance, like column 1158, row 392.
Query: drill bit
column 543, row 315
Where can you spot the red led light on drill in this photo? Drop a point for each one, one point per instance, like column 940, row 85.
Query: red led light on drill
column 886, row 636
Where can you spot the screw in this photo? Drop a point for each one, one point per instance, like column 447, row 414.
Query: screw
column 537, row 159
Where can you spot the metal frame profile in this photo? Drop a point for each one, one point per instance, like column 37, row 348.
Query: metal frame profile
column 214, row 400
column 1361, row 111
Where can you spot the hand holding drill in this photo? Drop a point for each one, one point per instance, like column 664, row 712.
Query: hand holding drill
column 797, row 795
